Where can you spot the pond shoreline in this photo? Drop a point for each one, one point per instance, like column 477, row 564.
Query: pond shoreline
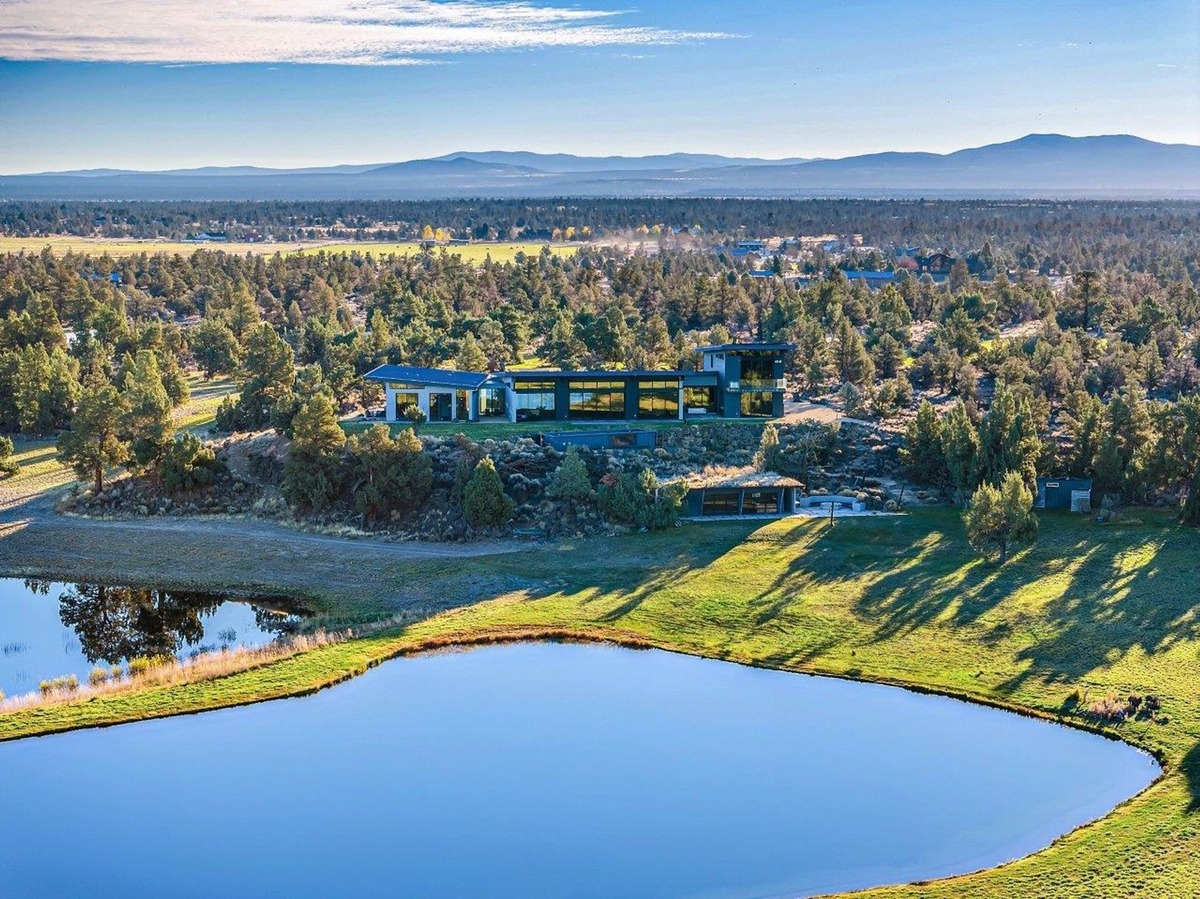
column 460, row 621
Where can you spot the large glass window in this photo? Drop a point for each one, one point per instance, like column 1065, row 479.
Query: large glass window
column 758, row 403
column 700, row 400
column 758, row 371
column 534, row 400
column 720, row 502
column 597, row 399
column 658, row 399
column 492, row 402
column 440, row 406
column 763, row 501
column 406, row 401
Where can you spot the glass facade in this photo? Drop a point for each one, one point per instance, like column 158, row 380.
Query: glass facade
column 597, row 399
column 534, row 400
column 658, row 399
column 406, row 401
column 700, row 400
column 492, row 402
column 763, row 501
column 720, row 502
column 757, row 403
column 440, row 406
column 758, row 371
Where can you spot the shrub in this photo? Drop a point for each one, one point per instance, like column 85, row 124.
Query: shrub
column 484, row 502
column 99, row 676
column 570, row 481
column 8, row 465
column 392, row 475
column 640, row 500
column 769, row 456
column 187, row 464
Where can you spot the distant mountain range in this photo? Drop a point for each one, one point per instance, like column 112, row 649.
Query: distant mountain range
column 1038, row 165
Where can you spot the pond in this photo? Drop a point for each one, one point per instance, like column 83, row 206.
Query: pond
column 50, row 630
column 551, row 770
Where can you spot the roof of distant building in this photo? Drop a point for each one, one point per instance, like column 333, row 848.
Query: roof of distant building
column 748, row 347
column 437, row 377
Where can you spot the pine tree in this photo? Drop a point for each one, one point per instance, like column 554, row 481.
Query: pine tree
column 146, row 420
column 215, row 347
column 960, row 446
column 93, row 443
column 470, row 356
column 851, row 362
column 393, row 475
column 270, row 373
column 484, row 502
column 923, row 453
column 8, row 465
column 312, row 475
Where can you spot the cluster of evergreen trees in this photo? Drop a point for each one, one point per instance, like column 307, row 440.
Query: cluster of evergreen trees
column 1097, row 377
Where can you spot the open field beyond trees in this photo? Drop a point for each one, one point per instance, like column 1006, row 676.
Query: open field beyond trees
column 1087, row 612
column 474, row 253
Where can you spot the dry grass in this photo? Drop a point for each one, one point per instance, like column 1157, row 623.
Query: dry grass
column 144, row 673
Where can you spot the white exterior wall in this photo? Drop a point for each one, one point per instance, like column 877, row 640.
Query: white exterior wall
column 393, row 414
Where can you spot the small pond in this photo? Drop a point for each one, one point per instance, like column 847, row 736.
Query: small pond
column 50, row 630
column 550, row 770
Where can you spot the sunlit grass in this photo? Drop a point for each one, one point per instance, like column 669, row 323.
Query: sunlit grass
column 1087, row 613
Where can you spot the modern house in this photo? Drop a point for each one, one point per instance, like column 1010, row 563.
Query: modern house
column 735, row 380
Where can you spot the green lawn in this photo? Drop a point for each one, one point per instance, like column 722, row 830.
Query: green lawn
column 1088, row 610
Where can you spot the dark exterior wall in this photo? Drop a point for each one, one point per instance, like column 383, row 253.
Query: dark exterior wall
column 731, row 400
column 562, row 400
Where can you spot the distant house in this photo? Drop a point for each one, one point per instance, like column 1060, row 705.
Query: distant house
column 936, row 263
column 873, row 280
column 209, row 237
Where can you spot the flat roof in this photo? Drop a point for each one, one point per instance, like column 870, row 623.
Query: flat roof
column 537, row 374
column 436, row 377
column 748, row 347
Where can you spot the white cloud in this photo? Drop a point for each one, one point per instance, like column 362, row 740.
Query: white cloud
column 344, row 32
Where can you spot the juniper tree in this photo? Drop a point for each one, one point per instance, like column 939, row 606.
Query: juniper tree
column 484, row 502
column 996, row 518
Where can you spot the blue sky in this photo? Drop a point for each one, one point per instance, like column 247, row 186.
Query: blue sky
column 99, row 83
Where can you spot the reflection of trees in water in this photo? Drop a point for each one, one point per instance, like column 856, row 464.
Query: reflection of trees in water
column 119, row 623
column 270, row 621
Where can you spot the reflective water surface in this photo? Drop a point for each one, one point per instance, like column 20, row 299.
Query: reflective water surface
column 50, row 630
column 540, row 770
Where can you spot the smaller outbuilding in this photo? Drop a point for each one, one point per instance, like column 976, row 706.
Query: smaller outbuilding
column 748, row 493
column 1074, row 494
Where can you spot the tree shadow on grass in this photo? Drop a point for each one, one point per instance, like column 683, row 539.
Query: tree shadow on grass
column 1190, row 766
column 632, row 569
column 1115, row 604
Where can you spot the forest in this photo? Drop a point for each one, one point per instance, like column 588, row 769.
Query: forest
column 998, row 368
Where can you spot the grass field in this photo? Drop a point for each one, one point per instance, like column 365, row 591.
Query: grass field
column 1089, row 610
column 471, row 253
